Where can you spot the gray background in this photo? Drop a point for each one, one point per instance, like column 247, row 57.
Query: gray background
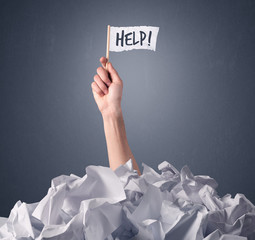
column 190, row 103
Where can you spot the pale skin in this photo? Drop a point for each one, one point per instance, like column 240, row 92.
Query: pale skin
column 107, row 91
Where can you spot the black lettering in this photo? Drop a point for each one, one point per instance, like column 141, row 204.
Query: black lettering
column 149, row 38
column 142, row 37
column 134, row 42
column 128, row 39
column 121, row 39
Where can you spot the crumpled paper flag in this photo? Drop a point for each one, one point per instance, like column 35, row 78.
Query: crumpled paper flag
column 119, row 205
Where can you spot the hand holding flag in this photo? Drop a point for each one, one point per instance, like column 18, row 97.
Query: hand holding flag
column 108, row 99
column 107, row 86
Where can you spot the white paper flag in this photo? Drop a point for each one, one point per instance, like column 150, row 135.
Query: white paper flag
column 129, row 38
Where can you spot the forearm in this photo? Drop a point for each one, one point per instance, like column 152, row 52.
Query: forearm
column 118, row 149
column 107, row 90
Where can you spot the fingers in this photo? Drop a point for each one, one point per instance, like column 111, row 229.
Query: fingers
column 100, row 84
column 114, row 74
column 97, row 89
column 103, row 61
column 102, row 78
column 103, row 74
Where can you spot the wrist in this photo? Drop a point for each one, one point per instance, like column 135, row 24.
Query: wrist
column 112, row 113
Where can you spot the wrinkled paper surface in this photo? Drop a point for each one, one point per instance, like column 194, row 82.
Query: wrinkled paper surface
column 120, row 204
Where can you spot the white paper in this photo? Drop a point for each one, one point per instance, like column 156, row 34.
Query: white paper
column 129, row 38
column 120, row 205
column 2, row 221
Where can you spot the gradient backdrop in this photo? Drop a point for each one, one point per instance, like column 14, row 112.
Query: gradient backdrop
column 189, row 103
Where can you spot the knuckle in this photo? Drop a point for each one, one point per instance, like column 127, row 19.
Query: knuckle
column 99, row 69
column 97, row 90
column 103, row 89
column 97, row 81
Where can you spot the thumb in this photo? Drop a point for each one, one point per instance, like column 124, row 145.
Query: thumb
column 113, row 73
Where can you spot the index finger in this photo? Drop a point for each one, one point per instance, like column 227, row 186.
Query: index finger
column 103, row 61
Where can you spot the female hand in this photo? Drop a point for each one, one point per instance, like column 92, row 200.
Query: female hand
column 107, row 89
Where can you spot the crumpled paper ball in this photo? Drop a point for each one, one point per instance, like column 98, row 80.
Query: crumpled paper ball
column 119, row 205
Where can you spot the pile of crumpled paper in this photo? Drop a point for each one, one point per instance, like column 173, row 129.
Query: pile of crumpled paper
column 106, row 204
